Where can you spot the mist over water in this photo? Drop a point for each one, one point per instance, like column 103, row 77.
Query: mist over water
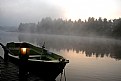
column 83, row 31
column 99, row 47
column 91, row 58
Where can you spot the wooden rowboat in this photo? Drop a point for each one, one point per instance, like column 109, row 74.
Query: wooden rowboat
column 45, row 64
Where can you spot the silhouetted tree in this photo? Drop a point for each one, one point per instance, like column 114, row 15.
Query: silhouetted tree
column 91, row 26
column 117, row 28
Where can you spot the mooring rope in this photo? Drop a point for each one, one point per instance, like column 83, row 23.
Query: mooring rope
column 65, row 74
column 62, row 74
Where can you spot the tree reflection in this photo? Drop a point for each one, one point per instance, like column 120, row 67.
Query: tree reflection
column 99, row 47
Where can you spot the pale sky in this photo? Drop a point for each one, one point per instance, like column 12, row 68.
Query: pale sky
column 13, row 12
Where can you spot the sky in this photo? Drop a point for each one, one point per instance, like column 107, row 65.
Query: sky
column 14, row 12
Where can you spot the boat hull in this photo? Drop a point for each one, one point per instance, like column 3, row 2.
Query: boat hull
column 47, row 70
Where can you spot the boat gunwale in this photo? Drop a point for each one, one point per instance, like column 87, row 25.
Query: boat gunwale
column 64, row 60
column 34, row 60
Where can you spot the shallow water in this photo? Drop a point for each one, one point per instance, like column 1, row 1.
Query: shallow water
column 91, row 58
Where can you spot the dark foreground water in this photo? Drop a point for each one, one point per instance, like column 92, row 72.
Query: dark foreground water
column 91, row 58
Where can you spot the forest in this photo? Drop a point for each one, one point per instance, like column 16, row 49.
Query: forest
column 90, row 27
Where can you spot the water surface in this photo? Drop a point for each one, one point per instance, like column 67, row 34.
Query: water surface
column 91, row 58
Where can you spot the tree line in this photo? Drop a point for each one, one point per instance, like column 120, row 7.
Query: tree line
column 92, row 26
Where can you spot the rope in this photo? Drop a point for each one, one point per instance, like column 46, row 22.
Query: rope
column 62, row 74
column 65, row 74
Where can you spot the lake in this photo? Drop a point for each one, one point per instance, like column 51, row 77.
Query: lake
column 91, row 58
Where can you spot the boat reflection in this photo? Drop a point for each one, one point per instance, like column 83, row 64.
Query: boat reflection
column 99, row 47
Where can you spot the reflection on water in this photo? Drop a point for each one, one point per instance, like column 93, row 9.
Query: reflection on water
column 83, row 68
column 91, row 59
column 99, row 47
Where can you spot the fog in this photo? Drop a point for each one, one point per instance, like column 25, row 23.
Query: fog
column 13, row 12
column 86, row 32
column 98, row 46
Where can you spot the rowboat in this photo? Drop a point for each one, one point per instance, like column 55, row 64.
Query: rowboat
column 40, row 61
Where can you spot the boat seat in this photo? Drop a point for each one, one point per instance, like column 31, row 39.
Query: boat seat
column 34, row 56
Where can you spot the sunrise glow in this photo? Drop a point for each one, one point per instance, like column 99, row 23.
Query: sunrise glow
column 75, row 9
column 16, row 11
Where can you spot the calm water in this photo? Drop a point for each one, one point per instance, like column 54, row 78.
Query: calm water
column 91, row 59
